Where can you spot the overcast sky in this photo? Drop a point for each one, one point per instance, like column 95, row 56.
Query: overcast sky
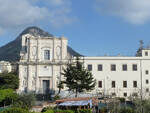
column 93, row 27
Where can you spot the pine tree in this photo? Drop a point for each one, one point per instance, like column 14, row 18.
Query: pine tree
column 139, row 51
column 78, row 79
column 60, row 86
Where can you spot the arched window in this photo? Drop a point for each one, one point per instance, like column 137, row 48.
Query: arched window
column 46, row 54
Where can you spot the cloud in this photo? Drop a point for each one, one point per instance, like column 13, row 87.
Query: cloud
column 133, row 11
column 59, row 12
column 20, row 13
column 58, row 2
column 1, row 31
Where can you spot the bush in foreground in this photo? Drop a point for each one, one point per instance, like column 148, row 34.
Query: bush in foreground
column 58, row 111
column 16, row 110
column 25, row 101
column 85, row 111
column 68, row 111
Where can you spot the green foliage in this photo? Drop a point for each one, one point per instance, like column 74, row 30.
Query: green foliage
column 9, row 80
column 16, row 110
column 122, row 100
column 46, row 109
column 60, row 86
column 25, row 101
column 7, row 97
column 78, row 79
column 49, row 111
column 56, row 97
column 85, row 111
column 103, row 110
column 63, row 111
column 139, row 51
column 142, row 105
column 127, row 110
column 146, row 106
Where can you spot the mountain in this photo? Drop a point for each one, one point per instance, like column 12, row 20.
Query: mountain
column 11, row 51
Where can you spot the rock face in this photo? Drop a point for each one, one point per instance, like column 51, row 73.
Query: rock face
column 11, row 51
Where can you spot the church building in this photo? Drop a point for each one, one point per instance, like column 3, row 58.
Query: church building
column 42, row 60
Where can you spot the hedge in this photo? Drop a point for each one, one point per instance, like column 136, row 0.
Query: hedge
column 49, row 111
column 84, row 111
column 69, row 111
column 63, row 111
column 59, row 111
column 16, row 110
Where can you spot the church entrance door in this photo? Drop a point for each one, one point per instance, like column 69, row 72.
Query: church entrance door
column 46, row 86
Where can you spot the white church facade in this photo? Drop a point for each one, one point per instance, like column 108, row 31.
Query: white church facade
column 43, row 59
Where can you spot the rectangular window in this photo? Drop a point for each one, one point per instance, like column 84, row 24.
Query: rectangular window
column 134, row 67
column 125, row 84
column 113, row 67
column 113, row 84
column 113, row 94
column 147, row 89
column 146, row 72
column 134, row 84
column 46, row 55
column 147, row 82
column 124, row 67
column 146, row 53
column 134, row 94
column 90, row 67
column 100, row 84
column 100, row 67
column 125, row 94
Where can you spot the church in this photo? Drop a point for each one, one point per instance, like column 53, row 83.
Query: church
column 42, row 59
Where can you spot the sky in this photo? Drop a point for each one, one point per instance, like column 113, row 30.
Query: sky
column 92, row 27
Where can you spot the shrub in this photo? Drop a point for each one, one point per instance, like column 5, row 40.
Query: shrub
column 122, row 100
column 25, row 101
column 9, row 80
column 15, row 110
column 46, row 109
column 85, row 111
column 58, row 111
column 64, row 111
column 7, row 97
column 103, row 110
column 49, row 111
column 56, row 97
column 127, row 110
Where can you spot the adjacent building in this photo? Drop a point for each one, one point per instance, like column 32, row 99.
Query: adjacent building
column 121, row 76
column 5, row 66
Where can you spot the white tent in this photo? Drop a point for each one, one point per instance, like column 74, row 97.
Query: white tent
column 77, row 103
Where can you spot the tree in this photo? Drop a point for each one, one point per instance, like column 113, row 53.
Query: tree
column 139, row 51
column 25, row 101
column 9, row 80
column 78, row 79
column 7, row 97
column 60, row 86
